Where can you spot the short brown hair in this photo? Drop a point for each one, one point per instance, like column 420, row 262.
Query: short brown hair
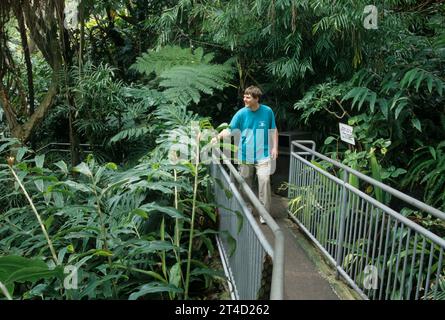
column 254, row 92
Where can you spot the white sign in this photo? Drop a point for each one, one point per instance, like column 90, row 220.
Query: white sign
column 346, row 133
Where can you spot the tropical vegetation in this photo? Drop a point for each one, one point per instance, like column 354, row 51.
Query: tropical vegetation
column 94, row 94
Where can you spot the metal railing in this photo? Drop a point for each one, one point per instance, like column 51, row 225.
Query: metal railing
column 381, row 253
column 64, row 147
column 246, row 253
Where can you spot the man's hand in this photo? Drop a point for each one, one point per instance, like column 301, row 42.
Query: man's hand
column 274, row 153
column 220, row 135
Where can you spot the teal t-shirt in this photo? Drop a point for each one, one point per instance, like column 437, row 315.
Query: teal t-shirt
column 255, row 129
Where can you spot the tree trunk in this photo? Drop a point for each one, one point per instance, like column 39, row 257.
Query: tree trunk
column 11, row 117
column 41, row 22
column 24, row 132
column 24, row 39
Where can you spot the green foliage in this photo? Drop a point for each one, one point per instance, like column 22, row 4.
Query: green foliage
column 135, row 122
column 98, row 100
column 115, row 226
column 182, row 77
column 427, row 168
column 325, row 96
column 184, row 84
column 142, row 66
column 168, row 57
column 16, row 269
column 395, row 96
column 184, row 74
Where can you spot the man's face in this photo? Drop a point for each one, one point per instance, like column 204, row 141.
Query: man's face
column 250, row 101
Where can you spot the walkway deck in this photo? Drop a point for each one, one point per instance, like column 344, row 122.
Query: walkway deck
column 303, row 279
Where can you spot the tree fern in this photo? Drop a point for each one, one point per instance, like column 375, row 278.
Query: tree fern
column 184, row 84
column 143, row 98
column 173, row 116
column 184, row 74
column 136, row 120
column 131, row 133
column 167, row 57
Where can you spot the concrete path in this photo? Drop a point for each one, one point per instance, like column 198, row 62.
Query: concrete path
column 302, row 278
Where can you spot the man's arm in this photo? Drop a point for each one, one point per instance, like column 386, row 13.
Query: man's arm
column 234, row 125
column 274, row 152
column 222, row 134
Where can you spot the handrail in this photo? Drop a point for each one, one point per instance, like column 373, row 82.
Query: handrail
column 277, row 286
column 435, row 238
column 62, row 144
column 378, row 251
column 264, row 242
column 412, row 201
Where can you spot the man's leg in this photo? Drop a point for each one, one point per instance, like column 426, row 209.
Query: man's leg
column 247, row 171
column 264, row 189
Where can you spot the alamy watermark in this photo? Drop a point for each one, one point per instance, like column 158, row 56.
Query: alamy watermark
column 370, row 22
column 71, row 12
column 71, row 279
column 371, row 278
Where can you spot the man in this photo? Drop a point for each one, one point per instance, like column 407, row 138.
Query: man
column 258, row 144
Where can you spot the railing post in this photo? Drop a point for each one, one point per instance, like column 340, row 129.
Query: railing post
column 232, row 178
column 277, row 285
column 341, row 236
column 291, row 181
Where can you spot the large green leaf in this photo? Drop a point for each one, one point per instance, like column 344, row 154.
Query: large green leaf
column 171, row 211
column 10, row 264
column 144, row 246
column 175, row 274
column 34, row 274
column 62, row 166
column 39, row 160
column 83, row 169
column 20, row 153
column 77, row 186
column 416, row 124
column 154, row 287
column 19, row 269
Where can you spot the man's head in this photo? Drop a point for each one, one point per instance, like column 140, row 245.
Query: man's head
column 252, row 96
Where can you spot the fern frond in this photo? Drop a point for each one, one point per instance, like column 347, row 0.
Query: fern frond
column 360, row 95
column 144, row 96
column 290, row 68
column 174, row 115
column 168, row 57
column 184, row 84
column 131, row 134
column 416, row 76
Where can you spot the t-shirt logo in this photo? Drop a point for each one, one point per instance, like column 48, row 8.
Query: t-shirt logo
column 262, row 124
